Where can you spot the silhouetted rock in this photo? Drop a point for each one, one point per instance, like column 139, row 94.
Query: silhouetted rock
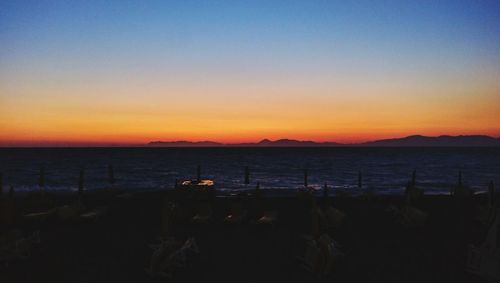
column 418, row 140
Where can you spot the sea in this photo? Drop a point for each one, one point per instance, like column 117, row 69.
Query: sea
column 277, row 170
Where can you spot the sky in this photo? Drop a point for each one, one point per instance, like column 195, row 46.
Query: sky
column 129, row 72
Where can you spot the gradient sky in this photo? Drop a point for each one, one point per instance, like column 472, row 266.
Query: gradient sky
column 98, row 72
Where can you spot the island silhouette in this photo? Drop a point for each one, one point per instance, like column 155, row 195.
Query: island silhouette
column 409, row 141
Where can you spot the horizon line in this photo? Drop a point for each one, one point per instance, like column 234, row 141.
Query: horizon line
column 199, row 143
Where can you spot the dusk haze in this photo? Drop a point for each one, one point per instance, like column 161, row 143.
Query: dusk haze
column 129, row 72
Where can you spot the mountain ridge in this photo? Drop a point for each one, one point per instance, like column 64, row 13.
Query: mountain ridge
column 408, row 141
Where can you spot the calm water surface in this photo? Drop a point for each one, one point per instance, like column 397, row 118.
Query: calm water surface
column 385, row 170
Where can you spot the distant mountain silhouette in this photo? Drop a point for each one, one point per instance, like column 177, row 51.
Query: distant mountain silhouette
column 415, row 141
column 294, row 143
column 185, row 144
column 262, row 143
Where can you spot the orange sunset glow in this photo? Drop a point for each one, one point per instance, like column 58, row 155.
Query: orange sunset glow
column 131, row 82
column 307, row 114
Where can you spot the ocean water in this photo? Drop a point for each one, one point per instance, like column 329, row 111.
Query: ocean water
column 385, row 170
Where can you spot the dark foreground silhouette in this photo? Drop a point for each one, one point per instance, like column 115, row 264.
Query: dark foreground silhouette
column 184, row 236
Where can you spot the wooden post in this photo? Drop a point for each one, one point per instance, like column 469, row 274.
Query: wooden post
column 491, row 194
column 408, row 192
column 247, row 175
column 198, row 173
column 258, row 208
column 414, row 178
column 306, row 177
column 257, row 190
